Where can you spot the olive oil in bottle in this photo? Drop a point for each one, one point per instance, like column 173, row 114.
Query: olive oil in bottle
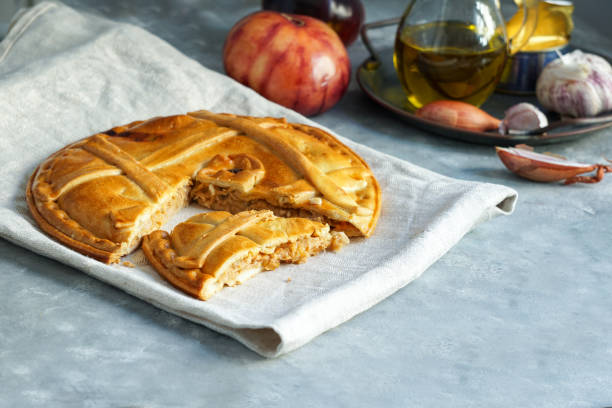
column 448, row 60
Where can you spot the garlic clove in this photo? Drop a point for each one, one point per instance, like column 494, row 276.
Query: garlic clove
column 458, row 114
column 540, row 167
column 522, row 117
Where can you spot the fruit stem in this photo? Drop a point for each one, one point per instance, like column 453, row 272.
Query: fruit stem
column 294, row 20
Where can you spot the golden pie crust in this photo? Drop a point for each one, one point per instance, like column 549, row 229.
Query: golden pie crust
column 102, row 194
column 217, row 249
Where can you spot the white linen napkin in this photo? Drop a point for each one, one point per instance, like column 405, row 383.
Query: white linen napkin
column 65, row 75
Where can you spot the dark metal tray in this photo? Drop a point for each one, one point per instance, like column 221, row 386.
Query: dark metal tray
column 377, row 78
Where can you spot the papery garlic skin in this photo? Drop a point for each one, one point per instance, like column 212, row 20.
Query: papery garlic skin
column 577, row 84
column 522, row 117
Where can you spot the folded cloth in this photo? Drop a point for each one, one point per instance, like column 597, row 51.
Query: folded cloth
column 65, row 75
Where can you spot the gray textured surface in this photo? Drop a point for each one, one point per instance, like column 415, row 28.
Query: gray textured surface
column 517, row 314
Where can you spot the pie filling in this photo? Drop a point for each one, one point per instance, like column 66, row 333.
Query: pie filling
column 225, row 199
column 269, row 258
column 147, row 224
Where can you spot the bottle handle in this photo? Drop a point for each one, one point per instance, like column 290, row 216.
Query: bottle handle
column 567, row 16
column 528, row 26
column 366, row 39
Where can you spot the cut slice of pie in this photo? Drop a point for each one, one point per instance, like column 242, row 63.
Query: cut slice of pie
column 216, row 249
column 102, row 194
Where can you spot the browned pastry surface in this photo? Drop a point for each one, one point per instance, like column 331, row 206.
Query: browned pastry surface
column 102, row 194
column 217, row 249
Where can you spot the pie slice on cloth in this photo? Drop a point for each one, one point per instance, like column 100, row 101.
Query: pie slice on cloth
column 216, row 249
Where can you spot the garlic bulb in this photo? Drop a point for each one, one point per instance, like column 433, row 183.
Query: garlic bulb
column 522, row 117
column 577, row 84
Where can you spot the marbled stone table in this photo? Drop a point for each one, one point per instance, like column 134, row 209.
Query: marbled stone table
column 518, row 314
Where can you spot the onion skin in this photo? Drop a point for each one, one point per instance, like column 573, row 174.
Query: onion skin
column 545, row 168
column 458, row 114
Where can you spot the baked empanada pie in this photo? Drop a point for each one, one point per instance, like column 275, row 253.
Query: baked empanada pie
column 216, row 249
column 102, row 194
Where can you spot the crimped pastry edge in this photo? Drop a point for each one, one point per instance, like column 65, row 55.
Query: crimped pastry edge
column 79, row 246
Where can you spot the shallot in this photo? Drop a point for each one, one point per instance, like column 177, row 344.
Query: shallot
column 458, row 114
column 523, row 161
